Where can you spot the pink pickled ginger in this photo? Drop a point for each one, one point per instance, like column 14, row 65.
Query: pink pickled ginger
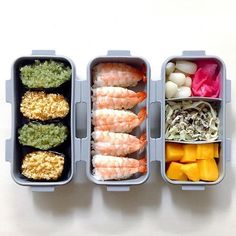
column 206, row 81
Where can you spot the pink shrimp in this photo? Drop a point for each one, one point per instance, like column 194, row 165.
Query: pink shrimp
column 111, row 167
column 116, row 144
column 116, row 98
column 116, row 74
column 118, row 121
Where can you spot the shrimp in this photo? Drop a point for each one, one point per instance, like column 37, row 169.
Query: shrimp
column 112, row 167
column 116, row 98
column 116, row 144
column 116, row 74
column 118, row 121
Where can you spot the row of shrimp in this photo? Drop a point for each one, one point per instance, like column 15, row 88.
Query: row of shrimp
column 113, row 121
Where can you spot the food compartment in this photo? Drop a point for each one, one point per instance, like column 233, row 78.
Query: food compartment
column 192, row 121
column 59, row 153
column 137, row 152
column 183, row 162
column 196, row 157
column 194, row 77
column 201, row 154
column 192, row 162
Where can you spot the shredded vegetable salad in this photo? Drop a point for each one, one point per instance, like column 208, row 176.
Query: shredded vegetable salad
column 191, row 121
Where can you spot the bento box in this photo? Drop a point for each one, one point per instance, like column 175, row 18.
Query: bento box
column 14, row 150
column 222, row 141
column 83, row 124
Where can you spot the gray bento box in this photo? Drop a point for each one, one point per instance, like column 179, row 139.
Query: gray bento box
column 78, row 148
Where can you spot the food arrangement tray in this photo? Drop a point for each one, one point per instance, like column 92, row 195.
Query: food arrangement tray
column 77, row 147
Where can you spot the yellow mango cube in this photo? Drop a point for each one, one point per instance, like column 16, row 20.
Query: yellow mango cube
column 190, row 153
column 174, row 172
column 191, row 170
column 174, row 152
column 205, row 151
column 208, row 170
column 216, row 150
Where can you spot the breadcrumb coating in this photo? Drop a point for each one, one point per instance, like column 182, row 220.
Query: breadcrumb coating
column 42, row 165
column 42, row 106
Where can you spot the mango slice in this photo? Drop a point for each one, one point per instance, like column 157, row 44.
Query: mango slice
column 205, row 151
column 191, row 170
column 174, row 151
column 190, row 153
column 208, row 170
column 216, row 150
column 174, row 172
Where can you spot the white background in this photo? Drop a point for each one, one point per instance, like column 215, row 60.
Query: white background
column 85, row 29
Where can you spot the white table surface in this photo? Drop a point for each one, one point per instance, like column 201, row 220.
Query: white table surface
column 82, row 30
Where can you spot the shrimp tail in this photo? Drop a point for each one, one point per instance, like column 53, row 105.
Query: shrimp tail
column 141, row 96
column 144, row 78
column 143, row 140
column 142, row 115
column 143, row 165
column 144, row 73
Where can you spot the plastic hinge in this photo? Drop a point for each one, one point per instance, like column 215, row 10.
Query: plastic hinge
column 9, row 91
column 228, row 91
column 193, row 187
column 77, row 149
column 152, row 148
column 159, row 90
column 77, row 90
column 228, row 149
column 118, row 188
column 85, row 92
column 159, row 149
column 43, row 52
column 85, row 144
column 153, row 89
column 118, row 53
column 156, row 150
column 42, row 188
column 155, row 141
column 194, row 53
column 8, row 150
column 85, row 147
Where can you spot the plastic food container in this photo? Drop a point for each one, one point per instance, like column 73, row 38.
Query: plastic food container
column 14, row 151
column 224, row 98
column 78, row 146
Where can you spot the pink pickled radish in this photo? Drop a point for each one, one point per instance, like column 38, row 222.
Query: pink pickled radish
column 206, row 81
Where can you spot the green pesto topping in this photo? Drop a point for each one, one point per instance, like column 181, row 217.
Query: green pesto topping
column 48, row 74
column 42, row 136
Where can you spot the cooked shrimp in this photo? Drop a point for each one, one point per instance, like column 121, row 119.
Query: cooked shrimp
column 111, row 167
column 118, row 121
column 116, row 144
column 116, row 74
column 116, row 98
